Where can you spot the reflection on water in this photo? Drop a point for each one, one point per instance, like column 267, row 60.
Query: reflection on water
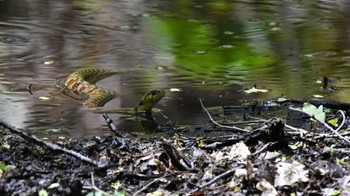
column 208, row 49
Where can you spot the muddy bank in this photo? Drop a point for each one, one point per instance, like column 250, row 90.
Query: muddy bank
column 274, row 158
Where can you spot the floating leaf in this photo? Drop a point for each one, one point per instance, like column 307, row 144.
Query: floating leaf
column 175, row 90
column 43, row 98
column 275, row 29
column 125, row 27
column 318, row 81
column 256, row 90
column 200, row 52
column 309, row 55
column 228, row 32
column 49, row 62
column 227, row 46
column 281, row 99
column 318, row 96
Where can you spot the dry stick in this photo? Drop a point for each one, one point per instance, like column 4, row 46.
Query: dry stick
column 94, row 186
column 226, row 173
column 342, row 123
column 247, row 121
column 146, row 186
column 339, row 127
column 300, row 130
column 263, row 148
column 216, row 123
column 49, row 145
column 326, row 125
column 175, row 157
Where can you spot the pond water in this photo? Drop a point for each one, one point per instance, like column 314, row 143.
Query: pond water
column 205, row 49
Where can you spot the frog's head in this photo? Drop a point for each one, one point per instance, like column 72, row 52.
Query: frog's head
column 150, row 99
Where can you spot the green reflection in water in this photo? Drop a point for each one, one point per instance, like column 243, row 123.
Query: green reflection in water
column 210, row 52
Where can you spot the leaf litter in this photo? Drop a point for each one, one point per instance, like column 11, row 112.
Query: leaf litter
column 295, row 153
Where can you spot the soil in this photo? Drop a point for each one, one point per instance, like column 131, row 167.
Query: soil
column 273, row 159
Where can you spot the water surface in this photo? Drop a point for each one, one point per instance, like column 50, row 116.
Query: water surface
column 210, row 50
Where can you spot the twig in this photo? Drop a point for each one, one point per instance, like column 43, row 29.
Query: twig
column 300, row 130
column 112, row 126
column 175, row 157
column 216, row 123
column 226, row 173
column 342, row 150
column 326, row 125
column 263, row 148
column 49, row 145
column 94, row 187
column 146, row 186
column 342, row 123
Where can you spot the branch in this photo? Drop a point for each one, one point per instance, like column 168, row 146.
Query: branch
column 146, row 186
column 216, row 123
column 48, row 145
column 263, row 148
column 226, row 173
column 326, row 125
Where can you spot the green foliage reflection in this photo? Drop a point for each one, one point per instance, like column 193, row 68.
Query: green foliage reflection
column 209, row 51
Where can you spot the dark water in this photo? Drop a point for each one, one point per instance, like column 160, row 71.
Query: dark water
column 206, row 49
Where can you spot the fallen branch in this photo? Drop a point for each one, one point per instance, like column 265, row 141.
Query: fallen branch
column 146, row 186
column 342, row 123
column 112, row 126
column 226, row 173
column 48, row 145
column 175, row 157
column 326, row 125
column 263, row 148
column 216, row 123
column 94, row 187
column 299, row 130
